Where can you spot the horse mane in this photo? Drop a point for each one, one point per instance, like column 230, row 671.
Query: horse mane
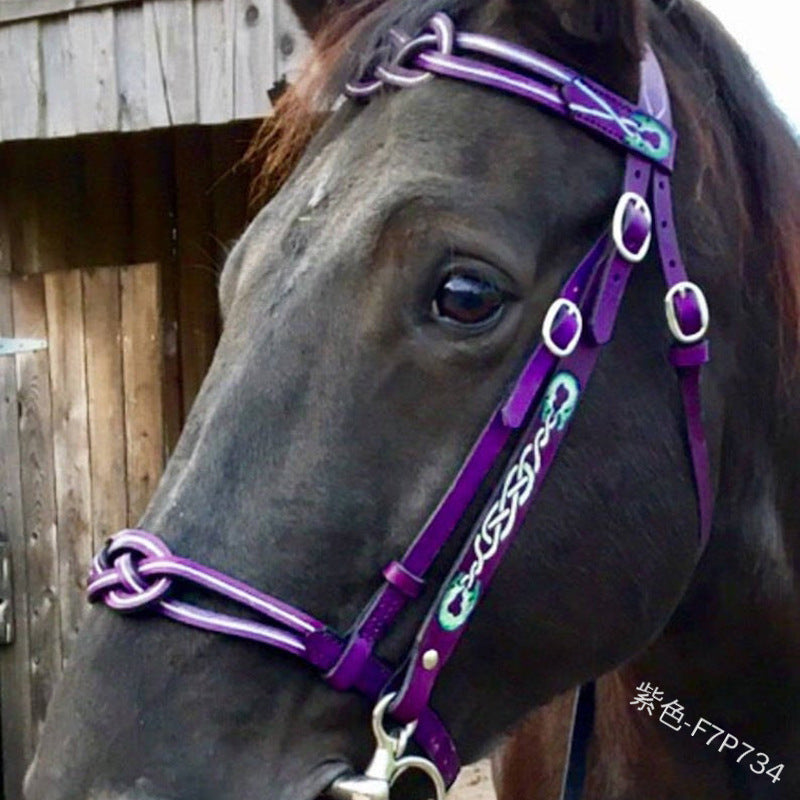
column 756, row 136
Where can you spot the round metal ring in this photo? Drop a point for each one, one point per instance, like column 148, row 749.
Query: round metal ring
column 672, row 318
column 633, row 256
column 559, row 304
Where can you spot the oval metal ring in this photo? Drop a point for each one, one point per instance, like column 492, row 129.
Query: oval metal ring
column 425, row 766
column 617, row 232
column 559, row 304
column 387, row 764
column 672, row 318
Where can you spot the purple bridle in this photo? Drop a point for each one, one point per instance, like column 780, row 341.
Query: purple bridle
column 136, row 570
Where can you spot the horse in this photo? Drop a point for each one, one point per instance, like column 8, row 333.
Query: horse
column 375, row 312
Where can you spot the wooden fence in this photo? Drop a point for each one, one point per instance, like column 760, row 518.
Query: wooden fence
column 86, row 424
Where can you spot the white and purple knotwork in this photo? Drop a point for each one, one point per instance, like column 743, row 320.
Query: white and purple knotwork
column 558, row 406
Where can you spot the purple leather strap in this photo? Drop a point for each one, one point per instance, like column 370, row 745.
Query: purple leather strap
column 136, row 571
column 385, row 606
column 440, row 50
column 581, row 101
column 502, row 518
column 688, row 361
column 688, row 358
column 404, row 580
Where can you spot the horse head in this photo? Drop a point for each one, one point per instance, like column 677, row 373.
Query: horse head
column 375, row 312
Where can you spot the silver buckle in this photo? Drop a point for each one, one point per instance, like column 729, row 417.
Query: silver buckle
column 672, row 318
column 634, row 257
column 549, row 320
column 387, row 765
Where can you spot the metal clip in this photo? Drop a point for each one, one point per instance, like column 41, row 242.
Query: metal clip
column 387, row 765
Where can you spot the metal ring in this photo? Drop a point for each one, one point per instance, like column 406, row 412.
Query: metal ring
column 672, row 318
column 547, row 327
column 634, row 257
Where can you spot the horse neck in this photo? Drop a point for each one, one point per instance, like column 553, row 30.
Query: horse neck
column 731, row 652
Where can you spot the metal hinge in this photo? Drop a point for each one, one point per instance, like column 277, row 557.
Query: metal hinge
column 6, row 595
column 10, row 347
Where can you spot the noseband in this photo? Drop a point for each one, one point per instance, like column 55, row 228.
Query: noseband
column 136, row 569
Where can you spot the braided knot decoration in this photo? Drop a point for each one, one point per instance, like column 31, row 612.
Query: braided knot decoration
column 135, row 571
column 438, row 35
column 116, row 578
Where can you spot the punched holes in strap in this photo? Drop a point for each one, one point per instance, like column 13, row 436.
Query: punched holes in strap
column 356, row 653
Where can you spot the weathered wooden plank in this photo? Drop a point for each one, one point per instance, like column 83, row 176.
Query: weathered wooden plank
column 63, row 296
column 103, row 329
column 21, row 114
column 254, row 59
column 94, row 74
column 292, row 44
column 158, row 111
column 131, row 70
column 15, row 676
column 141, row 359
column 15, row 10
column 170, row 62
column 38, row 495
column 214, row 48
column 152, row 222
column 58, row 78
column 199, row 318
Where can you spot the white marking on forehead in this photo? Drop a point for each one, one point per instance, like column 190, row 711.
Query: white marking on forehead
column 322, row 171
column 320, row 190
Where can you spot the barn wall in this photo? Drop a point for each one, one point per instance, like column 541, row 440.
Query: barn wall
column 140, row 65
column 110, row 248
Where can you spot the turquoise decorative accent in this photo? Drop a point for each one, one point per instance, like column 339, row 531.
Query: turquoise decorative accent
column 561, row 399
column 652, row 139
column 458, row 602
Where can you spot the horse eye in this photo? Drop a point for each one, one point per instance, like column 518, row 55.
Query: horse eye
column 467, row 299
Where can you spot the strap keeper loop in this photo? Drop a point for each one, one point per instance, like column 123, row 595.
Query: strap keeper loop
column 688, row 356
column 403, row 579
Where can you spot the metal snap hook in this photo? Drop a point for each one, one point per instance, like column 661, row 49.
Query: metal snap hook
column 387, row 764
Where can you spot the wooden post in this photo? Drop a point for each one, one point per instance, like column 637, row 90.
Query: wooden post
column 142, row 371
column 102, row 316
column 38, row 496
column 64, row 298
column 14, row 660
